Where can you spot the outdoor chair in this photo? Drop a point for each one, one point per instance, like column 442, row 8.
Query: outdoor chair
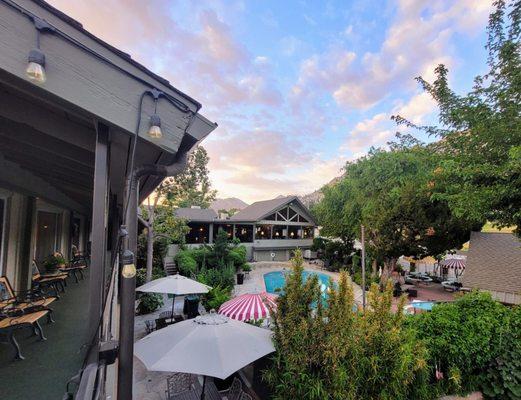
column 150, row 326
column 179, row 383
column 25, row 300
column 234, row 391
column 245, row 396
column 57, row 281
column 17, row 314
column 75, row 266
column 161, row 323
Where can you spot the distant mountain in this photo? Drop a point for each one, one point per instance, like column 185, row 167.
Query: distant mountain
column 228, row 204
column 316, row 196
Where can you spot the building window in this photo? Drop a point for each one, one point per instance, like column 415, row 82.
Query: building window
column 308, row 232
column 291, row 214
column 294, row 232
column 263, row 232
column 228, row 228
column 244, row 233
column 199, row 233
column 280, row 232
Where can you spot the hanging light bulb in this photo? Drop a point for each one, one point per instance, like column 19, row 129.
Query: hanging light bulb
column 36, row 67
column 154, row 131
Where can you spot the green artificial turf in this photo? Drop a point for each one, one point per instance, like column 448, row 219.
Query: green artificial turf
column 48, row 365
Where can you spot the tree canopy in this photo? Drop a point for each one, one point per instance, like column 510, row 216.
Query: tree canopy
column 390, row 192
column 480, row 132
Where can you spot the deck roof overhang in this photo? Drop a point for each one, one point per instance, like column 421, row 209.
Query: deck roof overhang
column 48, row 132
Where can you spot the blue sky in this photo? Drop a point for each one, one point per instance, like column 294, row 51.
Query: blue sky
column 298, row 88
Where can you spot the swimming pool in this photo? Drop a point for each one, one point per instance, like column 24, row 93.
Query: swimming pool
column 276, row 280
column 423, row 305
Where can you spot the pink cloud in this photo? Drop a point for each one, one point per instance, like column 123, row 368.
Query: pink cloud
column 418, row 39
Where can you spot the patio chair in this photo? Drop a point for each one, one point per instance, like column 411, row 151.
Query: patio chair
column 15, row 314
column 179, row 383
column 150, row 326
column 75, row 266
column 245, row 396
column 234, row 391
column 24, row 301
column 56, row 282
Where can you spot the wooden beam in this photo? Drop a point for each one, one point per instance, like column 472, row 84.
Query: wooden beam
column 24, row 135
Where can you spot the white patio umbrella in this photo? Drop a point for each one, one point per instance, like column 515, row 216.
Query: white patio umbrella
column 209, row 345
column 174, row 284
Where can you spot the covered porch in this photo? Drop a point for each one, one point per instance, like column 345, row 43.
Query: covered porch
column 76, row 158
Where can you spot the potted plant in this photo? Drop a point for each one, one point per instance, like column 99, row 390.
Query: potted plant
column 54, row 262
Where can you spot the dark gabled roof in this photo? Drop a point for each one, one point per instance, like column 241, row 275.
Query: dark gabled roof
column 262, row 209
column 196, row 214
column 493, row 262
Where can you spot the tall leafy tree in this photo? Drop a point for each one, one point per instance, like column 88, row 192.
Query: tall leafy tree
column 390, row 193
column 480, row 131
column 191, row 187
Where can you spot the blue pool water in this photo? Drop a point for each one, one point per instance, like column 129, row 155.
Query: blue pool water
column 276, row 280
column 423, row 305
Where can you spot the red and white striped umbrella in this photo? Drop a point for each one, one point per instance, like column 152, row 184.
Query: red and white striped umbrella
column 454, row 263
column 249, row 306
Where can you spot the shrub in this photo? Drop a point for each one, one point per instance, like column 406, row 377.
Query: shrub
column 141, row 275
column 246, row 267
column 463, row 337
column 502, row 379
column 186, row 262
column 216, row 297
column 237, row 256
column 223, row 277
column 331, row 352
column 149, row 302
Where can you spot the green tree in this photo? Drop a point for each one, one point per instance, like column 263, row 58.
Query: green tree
column 190, row 187
column 325, row 350
column 390, row 193
column 480, row 131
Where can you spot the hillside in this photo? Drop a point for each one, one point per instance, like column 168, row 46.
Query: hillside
column 316, row 196
column 228, row 204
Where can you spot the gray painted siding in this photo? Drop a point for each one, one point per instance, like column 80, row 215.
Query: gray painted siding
column 83, row 80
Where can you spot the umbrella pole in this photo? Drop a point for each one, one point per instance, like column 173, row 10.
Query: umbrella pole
column 173, row 303
column 204, row 385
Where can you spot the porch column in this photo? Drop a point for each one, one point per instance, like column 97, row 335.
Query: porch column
column 25, row 245
column 210, row 233
column 99, row 229
column 127, row 297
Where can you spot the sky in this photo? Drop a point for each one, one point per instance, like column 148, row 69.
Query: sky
column 298, row 88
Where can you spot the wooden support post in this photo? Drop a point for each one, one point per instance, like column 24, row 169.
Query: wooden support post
column 99, row 231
